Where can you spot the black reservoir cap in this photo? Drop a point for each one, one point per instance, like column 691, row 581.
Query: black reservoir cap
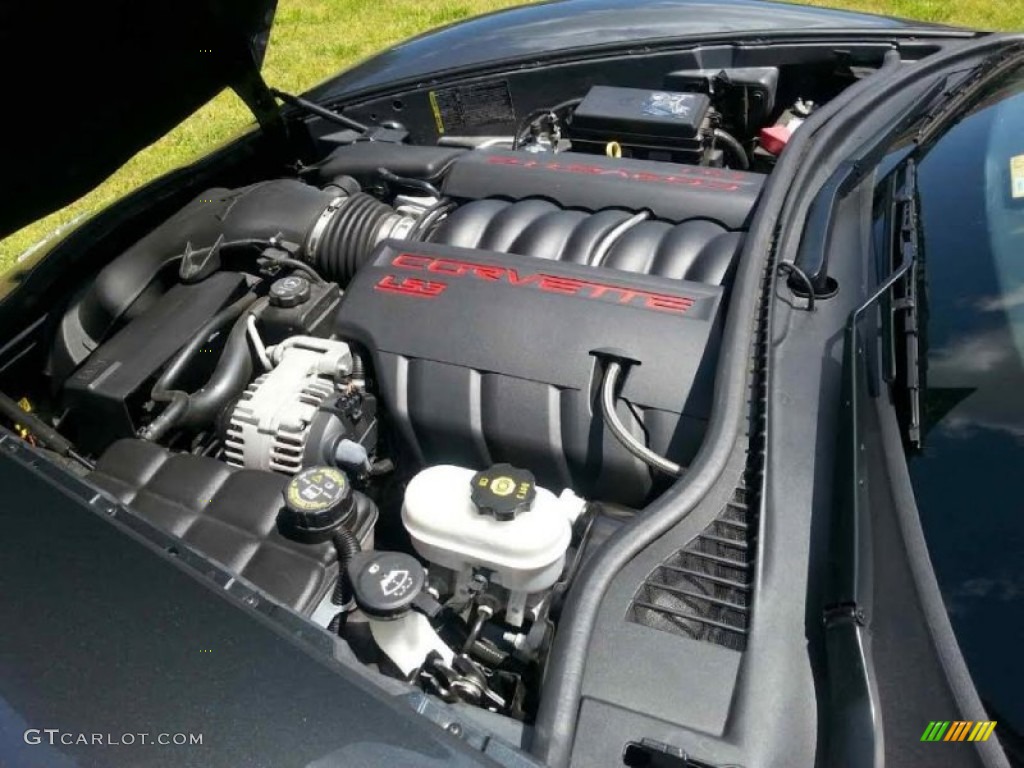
column 386, row 584
column 503, row 491
column 289, row 291
column 317, row 501
column 628, row 112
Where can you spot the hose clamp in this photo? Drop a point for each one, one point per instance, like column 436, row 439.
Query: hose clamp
column 317, row 232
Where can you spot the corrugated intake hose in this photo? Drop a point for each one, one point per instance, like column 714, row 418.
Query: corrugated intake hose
column 345, row 240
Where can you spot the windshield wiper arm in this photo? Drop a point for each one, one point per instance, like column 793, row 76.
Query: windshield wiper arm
column 951, row 105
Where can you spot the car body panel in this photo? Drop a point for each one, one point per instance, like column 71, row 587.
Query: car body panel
column 116, row 638
column 118, row 76
column 575, row 25
column 132, row 614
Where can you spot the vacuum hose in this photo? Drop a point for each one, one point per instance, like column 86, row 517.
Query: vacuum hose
column 623, row 435
column 738, row 152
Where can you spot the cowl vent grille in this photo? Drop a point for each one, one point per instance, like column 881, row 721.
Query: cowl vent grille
column 704, row 590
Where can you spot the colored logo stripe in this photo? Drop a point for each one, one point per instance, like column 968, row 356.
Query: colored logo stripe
column 984, row 732
column 958, row 730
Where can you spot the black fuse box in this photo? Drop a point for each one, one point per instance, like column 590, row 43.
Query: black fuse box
column 656, row 125
column 744, row 95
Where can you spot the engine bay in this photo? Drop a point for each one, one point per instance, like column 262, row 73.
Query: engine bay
column 406, row 390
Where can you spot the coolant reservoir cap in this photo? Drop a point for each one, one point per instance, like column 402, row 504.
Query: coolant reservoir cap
column 385, row 584
column 503, row 491
column 289, row 291
column 318, row 500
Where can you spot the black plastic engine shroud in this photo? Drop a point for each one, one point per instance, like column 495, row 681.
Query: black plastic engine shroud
column 484, row 357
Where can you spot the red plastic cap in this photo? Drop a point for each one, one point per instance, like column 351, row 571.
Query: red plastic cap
column 774, row 138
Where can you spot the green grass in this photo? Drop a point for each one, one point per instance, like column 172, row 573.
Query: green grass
column 313, row 39
column 1007, row 15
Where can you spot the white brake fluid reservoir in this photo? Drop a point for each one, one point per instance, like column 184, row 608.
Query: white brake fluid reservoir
column 496, row 519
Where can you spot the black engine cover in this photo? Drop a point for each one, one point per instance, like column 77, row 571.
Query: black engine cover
column 670, row 191
column 484, row 357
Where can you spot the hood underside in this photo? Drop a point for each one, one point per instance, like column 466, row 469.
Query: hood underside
column 115, row 76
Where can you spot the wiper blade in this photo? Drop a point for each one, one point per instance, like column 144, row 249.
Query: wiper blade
column 908, row 251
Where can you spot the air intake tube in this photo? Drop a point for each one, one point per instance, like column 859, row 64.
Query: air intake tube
column 336, row 229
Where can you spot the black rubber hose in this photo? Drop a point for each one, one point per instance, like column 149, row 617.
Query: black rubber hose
column 405, row 181
column 347, row 546
column 229, row 378
column 738, row 152
column 526, row 123
column 300, row 266
column 491, row 657
column 50, row 437
column 426, row 225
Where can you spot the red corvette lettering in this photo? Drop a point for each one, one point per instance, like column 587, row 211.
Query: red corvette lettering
column 411, row 261
column 410, row 286
column 669, row 303
column 565, row 286
column 442, row 267
column 706, row 178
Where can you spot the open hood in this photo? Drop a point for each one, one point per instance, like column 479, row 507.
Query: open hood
column 90, row 84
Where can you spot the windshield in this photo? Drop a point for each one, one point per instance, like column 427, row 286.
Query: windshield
column 967, row 478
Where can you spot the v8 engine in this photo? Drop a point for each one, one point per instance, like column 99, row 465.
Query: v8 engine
column 404, row 392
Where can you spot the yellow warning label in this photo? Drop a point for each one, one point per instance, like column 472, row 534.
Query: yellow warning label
column 1017, row 177
column 437, row 112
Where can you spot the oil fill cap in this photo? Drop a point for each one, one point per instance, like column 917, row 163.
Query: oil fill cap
column 386, row 584
column 503, row 491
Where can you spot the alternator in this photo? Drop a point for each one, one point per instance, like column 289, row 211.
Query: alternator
column 270, row 424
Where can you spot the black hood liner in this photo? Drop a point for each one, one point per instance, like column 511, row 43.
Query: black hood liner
column 87, row 85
